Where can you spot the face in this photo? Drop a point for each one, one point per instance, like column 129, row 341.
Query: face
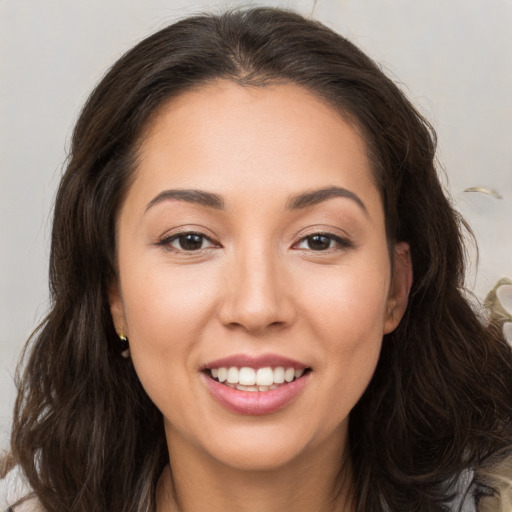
column 253, row 237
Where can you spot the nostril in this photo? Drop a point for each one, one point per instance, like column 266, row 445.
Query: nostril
column 255, row 305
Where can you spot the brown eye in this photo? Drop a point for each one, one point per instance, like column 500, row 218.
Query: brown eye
column 190, row 242
column 187, row 242
column 319, row 242
column 323, row 242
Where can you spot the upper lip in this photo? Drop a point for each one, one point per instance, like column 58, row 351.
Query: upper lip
column 251, row 361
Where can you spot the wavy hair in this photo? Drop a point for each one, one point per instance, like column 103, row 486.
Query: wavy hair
column 85, row 433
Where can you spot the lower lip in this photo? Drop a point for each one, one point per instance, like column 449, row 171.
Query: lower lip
column 256, row 403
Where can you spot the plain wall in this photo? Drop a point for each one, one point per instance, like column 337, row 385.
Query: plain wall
column 452, row 57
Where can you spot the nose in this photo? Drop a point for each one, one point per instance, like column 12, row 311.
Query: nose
column 257, row 294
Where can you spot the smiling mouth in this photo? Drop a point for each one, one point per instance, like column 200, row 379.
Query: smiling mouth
column 255, row 379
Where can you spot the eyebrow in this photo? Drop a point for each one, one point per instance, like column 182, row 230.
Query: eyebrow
column 216, row 201
column 318, row 196
column 190, row 196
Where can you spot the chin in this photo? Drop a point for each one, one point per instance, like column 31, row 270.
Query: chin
column 271, row 456
column 268, row 447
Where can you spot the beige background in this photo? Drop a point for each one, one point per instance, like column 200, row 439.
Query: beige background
column 454, row 57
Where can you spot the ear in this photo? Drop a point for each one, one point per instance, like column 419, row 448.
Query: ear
column 117, row 309
column 400, row 286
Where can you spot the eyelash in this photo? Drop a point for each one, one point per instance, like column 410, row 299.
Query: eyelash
column 343, row 243
column 167, row 241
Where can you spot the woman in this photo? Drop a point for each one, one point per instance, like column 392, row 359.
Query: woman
column 257, row 291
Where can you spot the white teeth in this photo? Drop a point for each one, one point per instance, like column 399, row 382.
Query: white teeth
column 249, row 379
column 264, row 376
column 289, row 374
column 246, row 388
column 252, row 388
column 233, row 375
column 222, row 374
column 247, row 376
column 279, row 375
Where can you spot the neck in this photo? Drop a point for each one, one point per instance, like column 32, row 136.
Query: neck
column 315, row 481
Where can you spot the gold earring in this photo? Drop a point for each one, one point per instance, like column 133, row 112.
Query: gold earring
column 125, row 348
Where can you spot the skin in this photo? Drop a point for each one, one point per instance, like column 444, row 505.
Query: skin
column 255, row 286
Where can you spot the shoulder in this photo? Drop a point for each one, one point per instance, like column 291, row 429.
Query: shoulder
column 30, row 505
column 497, row 478
column 483, row 491
column 487, row 489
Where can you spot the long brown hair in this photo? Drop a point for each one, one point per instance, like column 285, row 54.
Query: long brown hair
column 86, row 434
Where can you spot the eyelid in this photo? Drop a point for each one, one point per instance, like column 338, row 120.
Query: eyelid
column 344, row 242
column 169, row 237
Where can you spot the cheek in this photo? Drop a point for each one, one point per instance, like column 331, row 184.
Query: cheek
column 161, row 304
column 349, row 309
column 349, row 302
column 166, row 313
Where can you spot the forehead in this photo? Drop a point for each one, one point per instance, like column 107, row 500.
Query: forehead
column 223, row 102
column 279, row 137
